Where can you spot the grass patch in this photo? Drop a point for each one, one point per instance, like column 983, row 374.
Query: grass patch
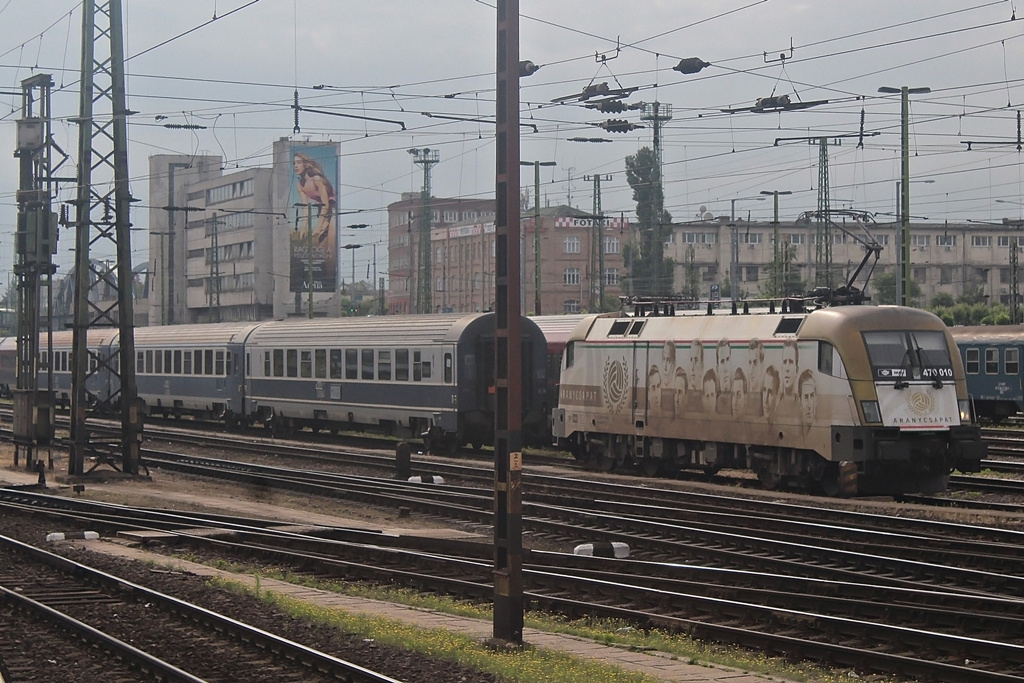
column 528, row 665
column 522, row 667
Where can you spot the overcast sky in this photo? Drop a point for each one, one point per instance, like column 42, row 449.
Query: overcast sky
column 400, row 60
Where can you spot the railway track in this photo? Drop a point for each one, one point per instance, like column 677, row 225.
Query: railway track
column 160, row 637
column 840, row 591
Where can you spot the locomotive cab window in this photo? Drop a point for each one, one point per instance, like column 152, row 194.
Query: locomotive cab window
column 908, row 354
column 829, row 361
column 972, row 361
column 636, row 327
column 570, row 354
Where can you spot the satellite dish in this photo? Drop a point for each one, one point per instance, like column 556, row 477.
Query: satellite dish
column 709, row 216
column 703, row 209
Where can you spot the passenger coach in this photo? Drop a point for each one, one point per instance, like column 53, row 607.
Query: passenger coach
column 430, row 376
column 992, row 355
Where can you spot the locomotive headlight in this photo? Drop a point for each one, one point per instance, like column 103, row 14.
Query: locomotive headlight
column 965, row 412
column 871, row 411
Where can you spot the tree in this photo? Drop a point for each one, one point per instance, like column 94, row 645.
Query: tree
column 650, row 270
column 886, row 288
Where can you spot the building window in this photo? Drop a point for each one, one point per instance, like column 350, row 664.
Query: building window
column 946, row 275
column 797, row 239
column 571, row 306
column 751, row 273
column 981, row 240
column 611, row 245
column 750, row 238
column 1004, row 276
column 882, row 240
column 839, row 238
column 611, row 276
column 945, row 240
column 572, row 245
column 571, row 276
column 920, row 274
column 920, row 241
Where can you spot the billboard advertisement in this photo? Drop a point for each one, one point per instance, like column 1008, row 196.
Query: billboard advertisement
column 313, row 202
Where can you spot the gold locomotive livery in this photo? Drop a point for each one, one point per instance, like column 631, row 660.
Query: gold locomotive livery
column 843, row 400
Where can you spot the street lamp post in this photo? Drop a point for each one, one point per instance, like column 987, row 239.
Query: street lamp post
column 536, row 228
column 778, row 280
column 905, row 93
column 352, row 248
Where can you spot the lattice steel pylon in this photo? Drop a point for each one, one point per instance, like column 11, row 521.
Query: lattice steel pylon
column 427, row 158
column 823, row 234
column 102, row 221
column 35, row 242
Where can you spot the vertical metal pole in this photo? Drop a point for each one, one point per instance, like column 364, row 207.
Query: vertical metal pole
column 905, row 203
column 536, row 238
column 775, row 240
column 508, row 460
column 309, row 260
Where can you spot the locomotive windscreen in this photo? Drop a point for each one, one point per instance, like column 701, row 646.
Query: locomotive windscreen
column 909, row 355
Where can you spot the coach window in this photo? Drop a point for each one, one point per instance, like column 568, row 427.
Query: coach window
column 197, row 362
column 971, row 361
column 1011, row 361
column 168, row 355
column 417, row 366
column 337, row 364
column 177, row 362
column 384, row 365
column 266, row 364
column 448, row 369
column 227, row 361
column 351, row 364
column 219, row 367
column 320, row 363
column 991, row 361
column 207, row 361
column 291, row 363
column 159, row 365
column 186, row 364
column 305, row 364
column 149, row 361
column 402, row 365
column 140, row 361
column 278, row 362
column 367, row 355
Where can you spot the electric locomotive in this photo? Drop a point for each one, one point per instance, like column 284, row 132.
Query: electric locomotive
column 844, row 400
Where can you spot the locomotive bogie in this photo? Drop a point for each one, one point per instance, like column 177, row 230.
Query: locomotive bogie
column 842, row 400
